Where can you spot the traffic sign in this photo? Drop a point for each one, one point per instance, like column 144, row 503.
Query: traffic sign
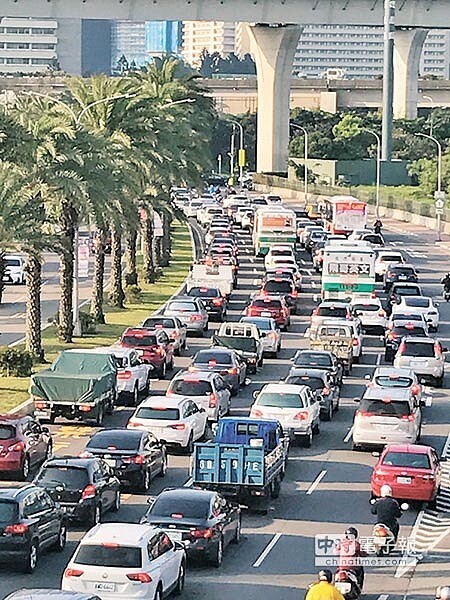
column 439, row 204
column 439, row 211
column 439, row 196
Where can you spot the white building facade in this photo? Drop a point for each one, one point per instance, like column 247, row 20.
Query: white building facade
column 27, row 45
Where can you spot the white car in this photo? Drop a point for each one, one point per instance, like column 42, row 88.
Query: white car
column 14, row 269
column 177, row 421
column 206, row 215
column 279, row 262
column 384, row 259
column 190, row 210
column 277, row 252
column 240, row 198
column 420, row 305
column 126, row 561
column 407, row 316
column 270, row 334
column 390, row 377
column 294, row 406
column 370, row 312
column 207, row 389
column 425, row 356
column 175, row 329
column 357, row 234
column 273, row 198
column 357, row 334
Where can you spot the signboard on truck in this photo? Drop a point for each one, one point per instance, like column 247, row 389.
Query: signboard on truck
column 348, row 270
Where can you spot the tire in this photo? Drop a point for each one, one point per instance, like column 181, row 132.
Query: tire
column 356, row 447
column 356, row 359
column 158, row 594
column 307, row 440
column 260, row 362
column 117, row 501
column 31, row 559
column 190, row 445
column 146, row 390
column 237, row 534
column 100, row 415
column 439, row 381
column 329, row 414
column 144, row 485
column 179, row 587
column 60, row 543
column 177, row 351
column 162, row 370
column 316, row 428
column 218, row 556
column 170, row 365
column 49, row 452
column 275, row 488
column 96, row 516
column 25, row 470
column 388, row 357
column 234, row 391
column 135, row 396
column 163, row 465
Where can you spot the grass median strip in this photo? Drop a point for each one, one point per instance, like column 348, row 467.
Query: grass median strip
column 14, row 390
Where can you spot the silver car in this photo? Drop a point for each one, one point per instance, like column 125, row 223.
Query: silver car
column 223, row 361
column 425, row 356
column 270, row 334
column 190, row 311
column 174, row 328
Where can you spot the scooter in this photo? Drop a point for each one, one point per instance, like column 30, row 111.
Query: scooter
column 383, row 539
column 347, row 583
column 446, row 294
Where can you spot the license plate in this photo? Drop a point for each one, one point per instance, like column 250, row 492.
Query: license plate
column 105, row 587
column 404, row 479
column 402, row 277
column 64, row 509
column 266, row 313
column 175, row 536
column 343, row 587
column 111, row 462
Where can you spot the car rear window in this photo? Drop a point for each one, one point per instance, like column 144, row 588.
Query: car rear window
column 182, row 306
column 417, row 301
column 7, row 432
column 8, row 511
column 204, row 292
column 421, row 349
column 315, row 383
column 366, row 307
column 390, row 258
column 12, row 262
column 402, row 330
column 72, row 477
column 281, row 252
column 278, row 286
column 159, row 322
column 109, row 555
column 335, row 331
column 183, row 507
column 313, row 359
column 403, row 270
column 280, row 400
column 191, row 387
column 384, row 408
column 332, row 311
column 407, row 459
column 267, row 303
column 222, row 358
column 407, row 291
column 116, row 440
column 393, row 381
column 136, row 341
column 158, row 413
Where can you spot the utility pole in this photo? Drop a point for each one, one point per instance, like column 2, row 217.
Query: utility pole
column 388, row 79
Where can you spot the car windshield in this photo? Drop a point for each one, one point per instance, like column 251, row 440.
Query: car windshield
column 190, row 387
column 332, row 311
column 390, row 258
column 417, row 301
column 159, row 413
column 168, row 505
column 280, row 400
column 261, row 324
column 7, row 432
column 315, row 383
column 109, row 555
column 182, row 307
column 159, row 322
column 135, row 341
column 313, row 359
column 267, row 303
column 383, row 408
column 419, row 349
column 278, row 286
column 403, row 270
column 407, row 459
column 393, row 381
column 281, row 252
column 209, row 356
column 73, row 477
column 114, row 440
column 335, row 331
column 366, row 307
column 204, row 292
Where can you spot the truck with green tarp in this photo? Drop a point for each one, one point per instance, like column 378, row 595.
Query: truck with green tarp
column 79, row 385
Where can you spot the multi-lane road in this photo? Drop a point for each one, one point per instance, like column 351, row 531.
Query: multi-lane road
column 327, row 486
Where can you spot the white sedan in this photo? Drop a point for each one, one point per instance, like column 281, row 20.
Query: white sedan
column 419, row 305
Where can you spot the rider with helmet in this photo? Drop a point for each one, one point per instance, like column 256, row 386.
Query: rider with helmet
column 443, row 593
column 350, row 550
column 387, row 510
column 446, row 282
column 324, row 588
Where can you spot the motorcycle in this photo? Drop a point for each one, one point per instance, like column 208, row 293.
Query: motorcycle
column 383, row 537
column 446, row 294
column 347, row 583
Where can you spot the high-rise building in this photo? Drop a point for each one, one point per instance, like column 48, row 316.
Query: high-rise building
column 212, row 36
column 27, row 45
column 162, row 38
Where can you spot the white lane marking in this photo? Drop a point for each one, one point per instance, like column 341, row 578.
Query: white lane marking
column 316, row 482
column 349, row 435
column 378, row 359
column 188, row 483
column 310, row 273
column 258, row 562
column 303, row 261
column 383, row 597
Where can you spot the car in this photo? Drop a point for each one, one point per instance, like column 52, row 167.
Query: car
column 14, row 269
column 294, row 406
column 318, row 359
column 274, row 307
column 135, row 457
column 248, row 219
column 239, row 215
column 399, row 289
column 388, row 377
column 273, row 199
column 331, row 309
column 386, row 416
column 407, row 317
column 153, row 346
column 342, row 327
column 258, row 201
column 270, row 334
column 126, row 560
column 224, row 361
column 374, row 239
column 225, row 248
column 24, row 445
column 190, row 210
column 399, row 273
column 208, row 390
column 85, row 488
column 400, row 330
column 278, row 286
column 244, row 339
column 177, row 422
column 31, row 522
column 420, row 304
column 323, row 386
column 304, row 235
column 317, row 255
column 314, row 237
column 206, row 214
column 370, row 312
column 203, row 520
column 49, row 594
column 357, row 234
column 385, row 258
column 277, row 251
column 190, row 311
column 412, row 471
column 174, row 328
column 215, row 302
column 284, row 270
column 425, row 356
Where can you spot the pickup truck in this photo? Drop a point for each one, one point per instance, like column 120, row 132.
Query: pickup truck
column 212, row 275
column 246, row 461
column 79, row 386
column 243, row 338
column 334, row 338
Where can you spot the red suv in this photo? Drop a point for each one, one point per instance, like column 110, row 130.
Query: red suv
column 24, row 444
column 153, row 345
column 270, row 306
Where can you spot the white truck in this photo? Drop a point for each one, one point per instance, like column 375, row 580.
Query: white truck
column 213, row 276
column 348, row 269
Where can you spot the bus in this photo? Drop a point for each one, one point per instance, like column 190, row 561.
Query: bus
column 273, row 225
column 343, row 214
column 348, row 269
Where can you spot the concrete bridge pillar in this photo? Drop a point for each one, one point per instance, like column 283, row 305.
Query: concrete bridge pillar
column 273, row 48
column 408, row 44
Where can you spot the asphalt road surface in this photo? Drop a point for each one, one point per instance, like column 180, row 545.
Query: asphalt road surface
column 326, row 487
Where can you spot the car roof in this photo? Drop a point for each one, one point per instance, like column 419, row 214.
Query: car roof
column 122, row 533
column 194, row 375
column 216, row 350
column 379, row 393
column 299, row 371
column 393, row 372
column 267, row 297
column 313, row 352
column 188, row 493
column 71, row 461
column 283, row 388
column 407, row 284
column 121, row 431
column 424, row 340
column 164, row 401
column 140, row 331
column 403, row 266
column 182, row 298
column 256, row 320
column 334, row 303
column 407, row 448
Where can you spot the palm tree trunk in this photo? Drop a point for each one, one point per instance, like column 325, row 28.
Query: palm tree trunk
column 68, row 223
column 165, row 240
column 2, row 272
column 149, row 265
column 131, row 277
column 99, row 277
column 33, row 280
column 116, row 296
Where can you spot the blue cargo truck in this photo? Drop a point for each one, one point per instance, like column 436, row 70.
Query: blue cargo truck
column 246, row 461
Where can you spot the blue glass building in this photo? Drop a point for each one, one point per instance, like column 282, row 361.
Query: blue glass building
column 162, row 37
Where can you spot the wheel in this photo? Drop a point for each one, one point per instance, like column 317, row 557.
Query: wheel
column 49, row 452
column 145, row 481
column 31, row 558
column 336, row 408
column 307, row 440
column 275, row 488
column 356, row 359
column 388, row 356
column 135, row 396
column 316, row 428
column 110, row 405
column 179, row 587
column 60, row 543
column 25, row 471
column 100, row 415
column 218, row 556
column 439, row 381
column 158, row 594
column 146, row 390
column 356, row 447
column 329, row 414
column 163, row 465
column 190, row 445
column 260, row 362
column 163, row 370
column 234, row 391
column 116, row 505
column 177, row 351
column 237, row 534
column 170, row 365
column 96, row 516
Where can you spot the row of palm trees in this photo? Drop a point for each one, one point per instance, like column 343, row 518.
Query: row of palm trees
column 107, row 152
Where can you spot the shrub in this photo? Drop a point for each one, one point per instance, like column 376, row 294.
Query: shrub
column 15, row 362
column 88, row 323
column 133, row 294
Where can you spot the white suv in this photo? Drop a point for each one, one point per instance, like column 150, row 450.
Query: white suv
column 425, row 356
column 422, row 305
column 14, row 269
column 126, row 561
column 276, row 252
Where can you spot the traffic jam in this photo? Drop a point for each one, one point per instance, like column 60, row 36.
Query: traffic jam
column 303, row 341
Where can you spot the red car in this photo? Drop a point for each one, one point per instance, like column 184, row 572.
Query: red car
column 413, row 472
column 153, row 345
column 277, row 286
column 274, row 307
column 24, row 444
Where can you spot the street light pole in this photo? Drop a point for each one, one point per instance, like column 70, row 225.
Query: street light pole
column 430, row 99
column 378, row 176
column 295, row 126
column 241, row 147
column 439, row 178
column 231, row 153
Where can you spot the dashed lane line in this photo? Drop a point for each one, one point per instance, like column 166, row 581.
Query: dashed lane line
column 316, row 482
column 349, row 435
column 258, row 562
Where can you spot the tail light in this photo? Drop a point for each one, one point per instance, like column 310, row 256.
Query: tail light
column 73, row 573
column 429, row 477
column 16, row 529
column 217, row 301
column 415, row 389
column 202, row 533
column 196, row 317
column 355, row 342
column 157, row 350
column 124, row 375
column 40, row 405
column 315, row 312
column 212, row 400
column 255, row 413
column 90, row 491
column 232, row 371
column 17, row 447
column 401, row 348
column 380, row 531
column 132, row 423
column 137, row 460
column 437, row 350
column 381, row 313
column 391, row 273
column 373, row 294
column 363, row 413
column 408, row 417
column 178, row 426
column 326, row 391
column 141, row 577
column 294, row 294
column 392, row 336
column 301, row 416
column 341, row 576
column 85, row 408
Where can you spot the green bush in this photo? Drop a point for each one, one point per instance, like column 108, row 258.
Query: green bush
column 133, row 294
column 88, row 323
column 15, row 362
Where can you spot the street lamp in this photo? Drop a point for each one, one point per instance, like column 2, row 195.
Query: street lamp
column 439, row 178
column 430, row 99
column 378, row 177
column 241, row 160
column 295, row 126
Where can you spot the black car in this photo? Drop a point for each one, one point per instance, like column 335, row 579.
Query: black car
column 399, row 272
column 203, row 518
column 399, row 289
column 400, row 330
column 314, row 238
column 323, row 386
column 30, row 522
column 279, row 286
column 215, row 303
column 46, row 594
column 134, row 456
column 318, row 359
column 85, row 487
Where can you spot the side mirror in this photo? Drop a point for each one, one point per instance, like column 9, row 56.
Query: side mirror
column 255, row 394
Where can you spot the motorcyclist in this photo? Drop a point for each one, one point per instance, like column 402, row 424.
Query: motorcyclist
column 349, row 548
column 324, row 588
column 377, row 226
column 443, row 593
column 387, row 510
column 446, row 282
